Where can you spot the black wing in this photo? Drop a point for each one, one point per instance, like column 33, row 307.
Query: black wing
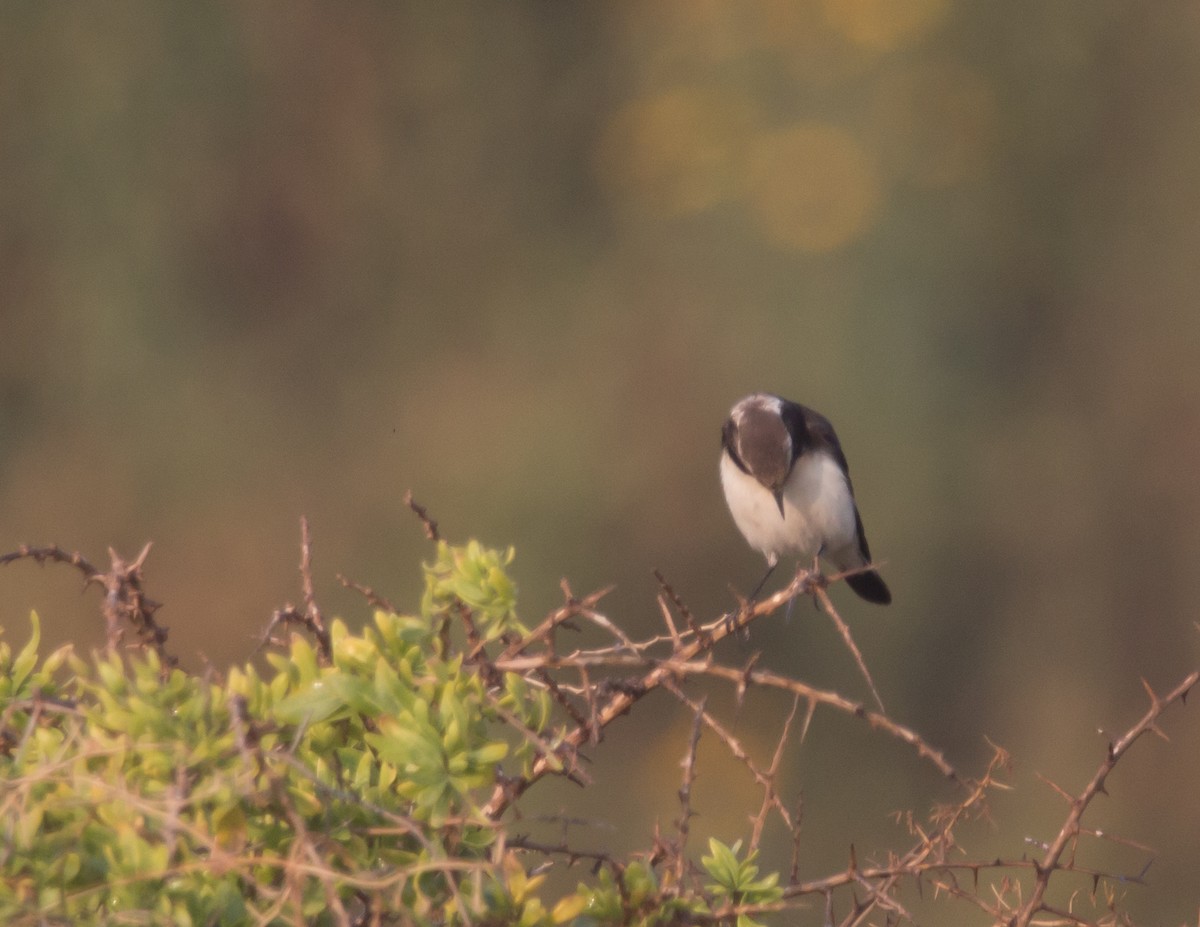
column 816, row 432
column 819, row 434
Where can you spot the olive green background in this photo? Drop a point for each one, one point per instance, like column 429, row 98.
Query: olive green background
column 266, row 259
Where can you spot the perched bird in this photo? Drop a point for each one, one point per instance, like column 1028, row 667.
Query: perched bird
column 788, row 489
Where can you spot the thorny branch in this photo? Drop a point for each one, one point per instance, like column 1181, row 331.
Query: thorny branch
column 684, row 825
column 591, row 688
column 431, row 527
column 596, row 698
column 1071, row 830
column 311, row 618
column 689, row 654
column 125, row 602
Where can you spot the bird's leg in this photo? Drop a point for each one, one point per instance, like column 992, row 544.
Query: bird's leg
column 762, row 582
column 733, row 616
column 816, row 571
column 787, row 615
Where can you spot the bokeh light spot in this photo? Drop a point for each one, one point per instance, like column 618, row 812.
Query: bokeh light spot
column 812, row 187
column 676, row 151
column 884, row 24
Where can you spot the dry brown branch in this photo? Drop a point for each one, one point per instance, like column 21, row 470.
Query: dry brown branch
column 311, row 619
column 311, row 609
column 571, row 768
column 844, row 630
column 593, row 687
column 629, row 692
column 1009, row 903
column 544, row 632
column 668, row 620
column 431, row 527
column 684, row 611
column 735, row 747
column 875, row 719
column 573, row 854
column 54, row 554
column 670, row 666
column 1070, row 830
column 770, row 794
column 125, row 602
column 683, row 826
column 374, row 599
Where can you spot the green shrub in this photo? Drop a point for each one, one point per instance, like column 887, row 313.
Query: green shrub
column 368, row 778
column 319, row 792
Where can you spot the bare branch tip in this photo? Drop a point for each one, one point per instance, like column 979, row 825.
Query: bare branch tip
column 431, row 526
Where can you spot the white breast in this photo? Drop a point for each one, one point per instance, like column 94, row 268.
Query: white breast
column 817, row 505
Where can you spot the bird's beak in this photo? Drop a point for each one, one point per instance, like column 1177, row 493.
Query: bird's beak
column 779, row 501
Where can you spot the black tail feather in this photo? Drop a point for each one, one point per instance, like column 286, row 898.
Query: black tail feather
column 870, row 586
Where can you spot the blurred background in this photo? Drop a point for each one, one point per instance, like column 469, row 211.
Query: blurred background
column 265, row 260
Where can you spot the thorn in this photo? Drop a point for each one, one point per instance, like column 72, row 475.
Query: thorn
column 141, row 558
column 744, row 682
column 430, row 526
column 592, row 598
column 808, row 716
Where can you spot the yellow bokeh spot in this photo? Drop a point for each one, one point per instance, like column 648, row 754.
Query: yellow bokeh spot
column 676, row 151
column 812, row 187
column 884, row 24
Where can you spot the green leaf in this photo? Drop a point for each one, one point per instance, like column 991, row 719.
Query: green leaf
column 316, row 703
column 722, row 864
column 489, row 754
column 27, row 659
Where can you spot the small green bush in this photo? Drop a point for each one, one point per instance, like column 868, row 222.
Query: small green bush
column 363, row 779
column 351, row 790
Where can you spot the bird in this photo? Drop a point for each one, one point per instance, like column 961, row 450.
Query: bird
column 788, row 488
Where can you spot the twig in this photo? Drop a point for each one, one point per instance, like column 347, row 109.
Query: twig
column 1070, row 829
column 574, row 772
column 683, row 826
column 311, row 618
column 734, row 746
column 770, row 793
column 54, row 554
column 671, row 666
column 844, row 630
column 622, row 700
column 311, row 609
column 569, row 609
column 688, row 617
column 431, row 526
column 125, row 601
column 573, row 854
column 373, row 598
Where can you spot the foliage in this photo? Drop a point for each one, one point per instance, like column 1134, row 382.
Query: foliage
column 308, row 794
column 366, row 778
